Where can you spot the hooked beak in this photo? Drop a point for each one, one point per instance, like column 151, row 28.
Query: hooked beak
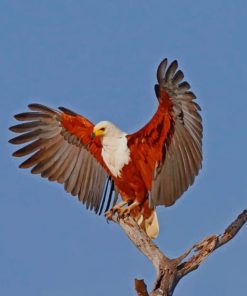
column 97, row 132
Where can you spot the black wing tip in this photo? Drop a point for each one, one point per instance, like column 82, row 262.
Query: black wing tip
column 14, row 141
column 174, row 62
column 17, row 116
column 164, row 61
column 16, row 154
column 34, row 105
column 197, row 106
column 12, row 128
column 157, row 90
column 67, row 111
column 162, row 69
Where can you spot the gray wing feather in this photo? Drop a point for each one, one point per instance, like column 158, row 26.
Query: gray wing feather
column 58, row 155
column 183, row 150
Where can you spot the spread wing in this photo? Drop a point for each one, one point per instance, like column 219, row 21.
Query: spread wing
column 62, row 150
column 168, row 150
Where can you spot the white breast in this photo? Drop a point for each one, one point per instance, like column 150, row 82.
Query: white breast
column 115, row 153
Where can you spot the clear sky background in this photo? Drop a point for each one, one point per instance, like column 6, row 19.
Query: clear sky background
column 99, row 58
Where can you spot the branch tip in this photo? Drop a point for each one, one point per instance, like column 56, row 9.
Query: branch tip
column 141, row 288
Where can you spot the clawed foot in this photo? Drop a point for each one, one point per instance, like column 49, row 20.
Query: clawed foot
column 117, row 209
column 109, row 214
column 124, row 212
column 120, row 211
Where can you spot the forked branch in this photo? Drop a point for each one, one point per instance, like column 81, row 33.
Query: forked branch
column 171, row 271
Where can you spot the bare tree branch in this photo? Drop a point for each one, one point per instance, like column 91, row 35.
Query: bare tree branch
column 210, row 244
column 141, row 288
column 171, row 271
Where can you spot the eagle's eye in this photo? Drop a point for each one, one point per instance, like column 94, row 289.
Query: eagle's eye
column 102, row 129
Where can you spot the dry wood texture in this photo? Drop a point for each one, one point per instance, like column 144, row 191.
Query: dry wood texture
column 171, row 271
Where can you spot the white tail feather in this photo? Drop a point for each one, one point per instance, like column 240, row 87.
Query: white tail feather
column 150, row 225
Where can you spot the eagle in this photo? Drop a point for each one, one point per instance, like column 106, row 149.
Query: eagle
column 98, row 163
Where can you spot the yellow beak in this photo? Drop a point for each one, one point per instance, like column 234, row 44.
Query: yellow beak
column 97, row 132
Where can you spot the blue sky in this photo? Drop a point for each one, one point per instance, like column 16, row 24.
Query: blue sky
column 99, row 58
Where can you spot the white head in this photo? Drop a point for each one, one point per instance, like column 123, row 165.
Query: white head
column 106, row 129
column 115, row 151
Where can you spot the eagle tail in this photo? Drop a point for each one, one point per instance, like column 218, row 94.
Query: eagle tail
column 150, row 224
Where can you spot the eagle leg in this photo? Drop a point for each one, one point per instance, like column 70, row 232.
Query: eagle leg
column 117, row 208
column 126, row 211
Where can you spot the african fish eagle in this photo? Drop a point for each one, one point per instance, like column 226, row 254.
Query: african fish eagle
column 150, row 167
